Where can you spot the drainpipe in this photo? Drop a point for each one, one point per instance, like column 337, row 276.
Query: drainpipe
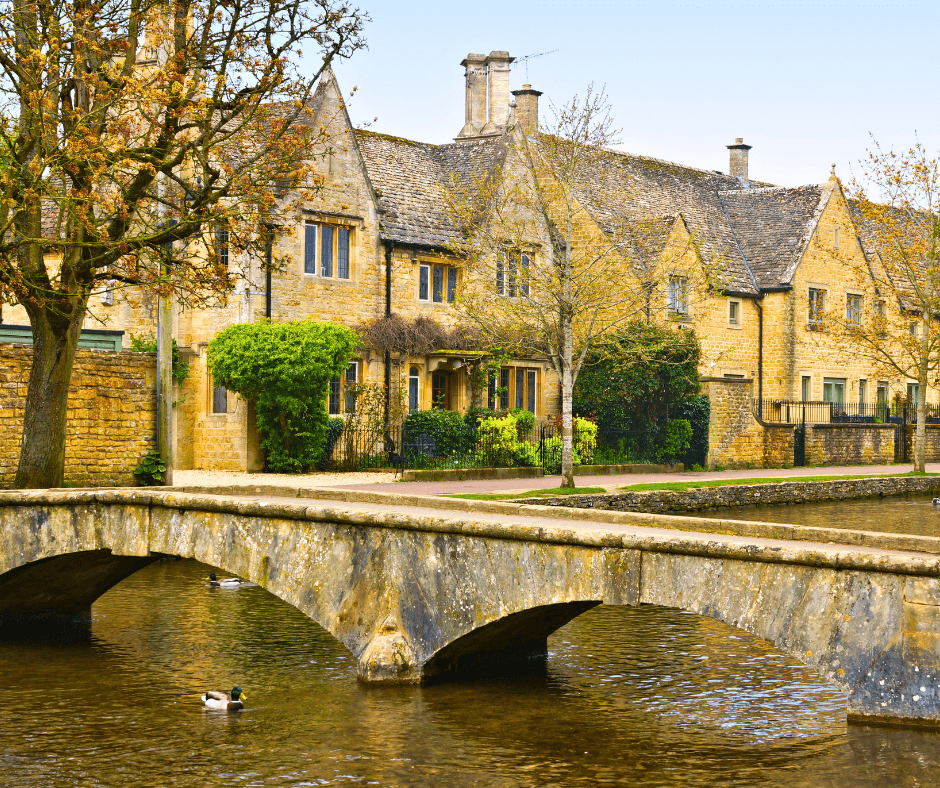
column 389, row 248
column 267, row 278
column 760, row 353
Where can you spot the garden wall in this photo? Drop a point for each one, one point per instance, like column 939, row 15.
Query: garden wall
column 849, row 444
column 932, row 453
column 657, row 501
column 111, row 417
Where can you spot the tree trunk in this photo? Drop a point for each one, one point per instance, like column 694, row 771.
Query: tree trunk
column 920, row 433
column 567, row 422
column 42, row 452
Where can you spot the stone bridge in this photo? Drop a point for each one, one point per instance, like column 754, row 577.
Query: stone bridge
column 417, row 593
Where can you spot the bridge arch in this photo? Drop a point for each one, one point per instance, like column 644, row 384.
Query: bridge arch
column 416, row 596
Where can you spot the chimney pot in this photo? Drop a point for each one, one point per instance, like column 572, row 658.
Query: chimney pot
column 527, row 108
column 738, row 164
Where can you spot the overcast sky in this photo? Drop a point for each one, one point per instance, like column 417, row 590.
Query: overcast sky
column 804, row 83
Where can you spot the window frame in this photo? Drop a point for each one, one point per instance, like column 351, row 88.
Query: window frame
column 734, row 312
column 853, row 317
column 678, row 300
column 336, row 239
column 414, row 389
column 218, row 400
column 816, row 298
column 437, row 283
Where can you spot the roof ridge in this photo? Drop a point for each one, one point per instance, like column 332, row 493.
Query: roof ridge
column 395, row 138
column 765, row 189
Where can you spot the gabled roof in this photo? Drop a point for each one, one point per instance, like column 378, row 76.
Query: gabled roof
column 410, row 177
column 618, row 187
column 773, row 227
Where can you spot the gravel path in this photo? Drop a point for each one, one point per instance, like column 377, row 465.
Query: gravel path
column 233, row 478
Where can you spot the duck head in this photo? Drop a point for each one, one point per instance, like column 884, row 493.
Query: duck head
column 238, row 694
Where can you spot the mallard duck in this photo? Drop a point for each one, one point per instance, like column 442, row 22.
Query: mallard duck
column 221, row 701
column 936, row 501
column 224, row 582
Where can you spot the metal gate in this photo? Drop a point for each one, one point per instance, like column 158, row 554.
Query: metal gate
column 799, row 446
column 900, row 442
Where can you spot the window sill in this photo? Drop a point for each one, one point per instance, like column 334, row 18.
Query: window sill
column 735, row 326
column 329, row 279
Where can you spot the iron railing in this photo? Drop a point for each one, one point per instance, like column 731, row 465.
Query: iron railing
column 796, row 412
column 360, row 448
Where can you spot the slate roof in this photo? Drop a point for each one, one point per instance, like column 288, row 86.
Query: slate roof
column 622, row 187
column 410, row 178
column 755, row 235
column 773, row 227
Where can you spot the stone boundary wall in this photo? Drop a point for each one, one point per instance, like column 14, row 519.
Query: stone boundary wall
column 850, row 444
column 112, row 414
column 932, row 453
column 655, row 501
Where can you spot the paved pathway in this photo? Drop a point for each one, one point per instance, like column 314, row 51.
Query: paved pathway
column 522, row 485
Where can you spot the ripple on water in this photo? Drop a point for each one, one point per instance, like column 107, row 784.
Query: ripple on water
column 629, row 696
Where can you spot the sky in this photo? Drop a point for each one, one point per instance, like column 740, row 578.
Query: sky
column 807, row 85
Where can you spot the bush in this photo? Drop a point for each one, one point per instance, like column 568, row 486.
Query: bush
column 285, row 370
column 697, row 411
column 552, row 464
column 496, row 441
column 451, row 436
column 525, row 422
column 585, row 440
column 527, row 454
column 476, row 414
column 676, row 442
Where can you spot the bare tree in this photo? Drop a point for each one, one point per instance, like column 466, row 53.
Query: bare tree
column 131, row 126
column 896, row 210
column 542, row 276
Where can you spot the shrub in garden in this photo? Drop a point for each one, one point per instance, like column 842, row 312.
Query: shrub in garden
column 697, row 411
column 676, row 441
column 585, row 440
column 497, row 440
column 452, row 437
column 285, row 370
column 525, row 422
column 527, row 454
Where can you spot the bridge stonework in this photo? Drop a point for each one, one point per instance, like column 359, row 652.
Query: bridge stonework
column 417, row 596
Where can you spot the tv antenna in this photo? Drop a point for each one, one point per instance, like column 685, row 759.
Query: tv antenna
column 526, row 58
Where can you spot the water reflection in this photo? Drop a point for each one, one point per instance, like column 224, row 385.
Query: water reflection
column 631, row 696
column 899, row 515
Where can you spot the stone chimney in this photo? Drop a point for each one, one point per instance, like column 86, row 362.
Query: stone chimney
column 738, row 166
column 475, row 66
column 527, row 108
column 497, row 90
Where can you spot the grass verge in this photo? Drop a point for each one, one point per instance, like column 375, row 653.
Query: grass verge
column 547, row 492
column 777, row 480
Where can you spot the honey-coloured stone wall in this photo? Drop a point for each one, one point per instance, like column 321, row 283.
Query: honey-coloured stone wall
column 112, row 414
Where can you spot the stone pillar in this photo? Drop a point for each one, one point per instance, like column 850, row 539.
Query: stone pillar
column 527, row 108
column 738, row 164
column 497, row 88
column 475, row 112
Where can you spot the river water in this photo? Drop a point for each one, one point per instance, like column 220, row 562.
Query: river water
column 628, row 697
column 911, row 514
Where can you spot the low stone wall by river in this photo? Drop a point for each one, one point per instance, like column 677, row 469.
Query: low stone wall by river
column 744, row 494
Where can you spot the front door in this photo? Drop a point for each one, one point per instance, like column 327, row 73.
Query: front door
column 440, row 390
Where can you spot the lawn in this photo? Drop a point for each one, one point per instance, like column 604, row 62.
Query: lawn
column 678, row 486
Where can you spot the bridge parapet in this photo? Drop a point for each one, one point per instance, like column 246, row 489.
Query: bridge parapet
column 421, row 594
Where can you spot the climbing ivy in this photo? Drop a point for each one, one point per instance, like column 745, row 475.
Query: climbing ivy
column 285, row 370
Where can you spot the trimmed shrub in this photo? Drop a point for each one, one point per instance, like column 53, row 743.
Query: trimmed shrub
column 285, row 370
column 527, row 454
column 451, row 436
